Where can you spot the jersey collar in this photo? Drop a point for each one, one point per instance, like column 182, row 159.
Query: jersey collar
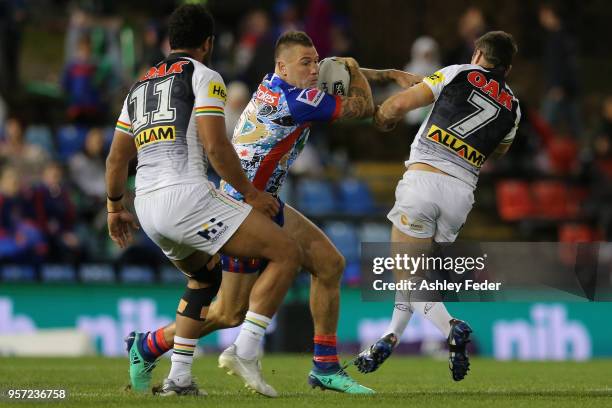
column 178, row 55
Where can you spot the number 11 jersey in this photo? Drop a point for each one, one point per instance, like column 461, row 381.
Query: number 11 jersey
column 160, row 114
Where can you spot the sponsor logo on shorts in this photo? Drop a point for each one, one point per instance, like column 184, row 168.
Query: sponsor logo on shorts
column 311, row 97
column 414, row 226
column 456, row 145
column 212, row 230
column 217, row 90
column 154, row 135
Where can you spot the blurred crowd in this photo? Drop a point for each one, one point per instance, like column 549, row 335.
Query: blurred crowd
column 52, row 190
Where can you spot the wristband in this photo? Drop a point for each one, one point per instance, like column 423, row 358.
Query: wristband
column 114, row 199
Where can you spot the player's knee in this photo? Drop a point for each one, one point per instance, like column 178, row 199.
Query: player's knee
column 233, row 319
column 228, row 319
column 334, row 267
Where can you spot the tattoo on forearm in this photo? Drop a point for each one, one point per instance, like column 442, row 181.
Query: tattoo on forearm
column 354, row 108
column 377, row 75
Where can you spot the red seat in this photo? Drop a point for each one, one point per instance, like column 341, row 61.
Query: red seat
column 551, row 199
column 513, row 200
column 572, row 233
column 563, row 155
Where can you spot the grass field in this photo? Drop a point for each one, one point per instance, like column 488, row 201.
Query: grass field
column 415, row 382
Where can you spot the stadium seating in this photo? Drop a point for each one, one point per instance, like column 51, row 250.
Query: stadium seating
column 42, row 136
column 96, row 273
column 18, row 273
column 315, row 197
column 136, row 274
column 375, row 232
column 514, row 200
column 550, row 199
column 168, row 274
column 70, row 140
column 345, row 238
column 355, row 197
column 58, row 273
column 572, row 233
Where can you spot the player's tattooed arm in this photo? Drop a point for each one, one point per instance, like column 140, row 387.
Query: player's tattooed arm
column 396, row 106
column 359, row 102
column 384, row 76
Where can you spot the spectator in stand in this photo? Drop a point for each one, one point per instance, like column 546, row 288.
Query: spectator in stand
column 81, row 84
column 87, row 167
column 470, row 27
column 152, row 50
column 560, row 71
column 27, row 159
column 287, row 16
column 20, row 239
column 255, row 48
column 12, row 18
column 238, row 96
column 318, row 25
column 425, row 61
column 55, row 214
column 602, row 143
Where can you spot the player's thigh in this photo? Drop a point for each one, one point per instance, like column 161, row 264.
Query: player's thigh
column 452, row 217
column 192, row 264
column 259, row 237
column 416, row 210
column 317, row 249
column 404, row 244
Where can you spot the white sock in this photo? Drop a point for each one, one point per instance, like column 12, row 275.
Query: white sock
column 402, row 312
column 436, row 313
column 182, row 358
column 251, row 335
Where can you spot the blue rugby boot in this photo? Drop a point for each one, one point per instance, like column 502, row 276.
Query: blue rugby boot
column 371, row 358
column 458, row 360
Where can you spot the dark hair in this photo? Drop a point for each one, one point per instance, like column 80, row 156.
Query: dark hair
column 189, row 26
column 290, row 38
column 498, row 47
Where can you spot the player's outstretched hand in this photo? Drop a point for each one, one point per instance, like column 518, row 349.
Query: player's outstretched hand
column 119, row 224
column 406, row 79
column 264, row 202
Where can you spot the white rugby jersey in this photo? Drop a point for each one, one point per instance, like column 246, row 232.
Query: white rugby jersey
column 160, row 114
column 474, row 111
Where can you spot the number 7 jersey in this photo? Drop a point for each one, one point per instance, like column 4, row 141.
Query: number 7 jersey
column 474, row 111
column 159, row 113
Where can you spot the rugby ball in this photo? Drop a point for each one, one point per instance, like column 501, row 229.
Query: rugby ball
column 334, row 77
